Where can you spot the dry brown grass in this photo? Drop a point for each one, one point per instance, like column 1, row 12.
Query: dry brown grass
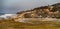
column 10, row 24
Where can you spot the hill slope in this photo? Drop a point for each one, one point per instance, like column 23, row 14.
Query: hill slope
column 52, row 11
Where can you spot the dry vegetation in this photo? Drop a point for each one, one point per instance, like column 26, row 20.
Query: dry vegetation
column 11, row 24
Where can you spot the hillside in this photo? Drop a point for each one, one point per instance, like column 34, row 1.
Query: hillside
column 50, row 11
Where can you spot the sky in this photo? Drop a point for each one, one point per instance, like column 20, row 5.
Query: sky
column 13, row 6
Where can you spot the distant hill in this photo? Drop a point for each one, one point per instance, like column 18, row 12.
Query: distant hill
column 42, row 12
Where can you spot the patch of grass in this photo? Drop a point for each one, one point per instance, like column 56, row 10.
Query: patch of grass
column 9, row 24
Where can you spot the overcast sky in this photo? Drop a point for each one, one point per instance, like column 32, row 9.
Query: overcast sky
column 25, row 4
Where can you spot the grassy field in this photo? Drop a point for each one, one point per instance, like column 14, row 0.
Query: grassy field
column 10, row 24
